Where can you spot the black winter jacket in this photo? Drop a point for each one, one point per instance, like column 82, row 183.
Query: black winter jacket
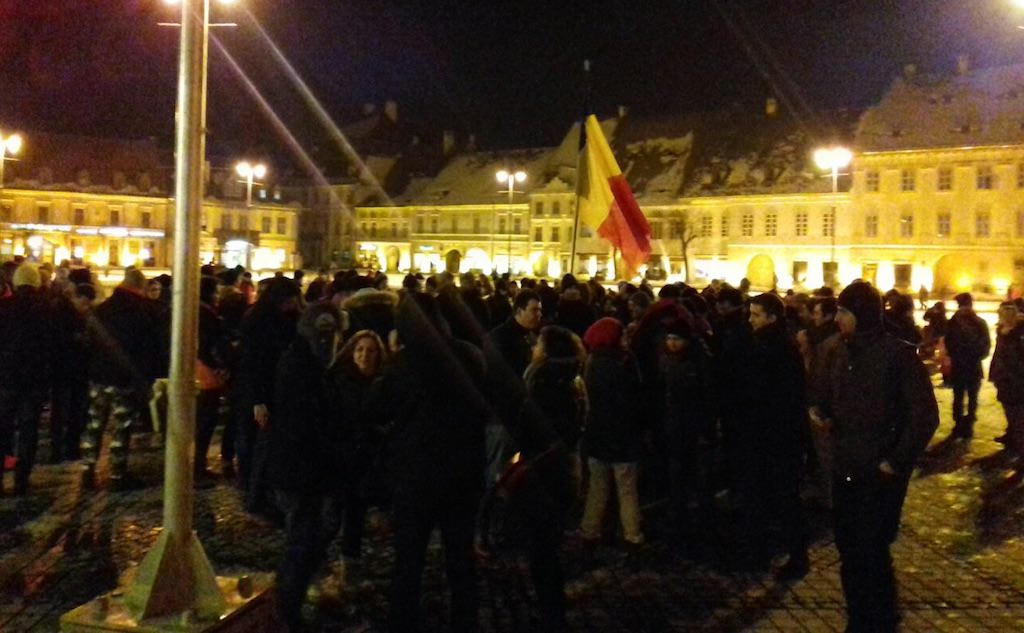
column 881, row 404
column 552, row 386
column 26, row 341
column 1007, row 369
column 614, row 430
column 132, row 347
column 967, row 343
column 776, row 389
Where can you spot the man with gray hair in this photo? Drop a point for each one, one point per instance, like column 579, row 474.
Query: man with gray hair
column 129, row 338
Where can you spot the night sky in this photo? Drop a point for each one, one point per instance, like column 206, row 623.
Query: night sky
column 510, row 72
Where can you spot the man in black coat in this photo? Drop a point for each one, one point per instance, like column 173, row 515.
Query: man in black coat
column 967, row 343
column 773, row 440
column 434, row 393
column 26, row 370
column 880, row 409
column 302, row 464
column 130, row 352
column 731, row 345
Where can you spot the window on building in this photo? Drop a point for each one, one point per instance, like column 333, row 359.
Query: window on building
column 771, row 224
column 373, row 228
column 799, row 273
column 78, row 217
column 501, row 225
column 147, row 219
column 433, row 225
column 747, row 225
column 801, row 224
column 538, row 234
column 225, row 221
column 871, row 180
column 871, row 225
column 538, row 208
column 1020, row 222
column 1020, row 176
column 115, row 217
column 828, row 222
column 394, row 229
column 724, row 229
column 907, row 224
column 705, row 226
column 945, row 178
column 982, row 224
column 265, row 225
column 476, row 223
column 243, row 222
column 517, row 225
column 986, row 178
column 675, row 229
column 944, row 224
column 656, row 230
column 556, row 234
column 6, row 212
column 908, row 180
column 282, row 226
column 556, row 207
column 43, row 214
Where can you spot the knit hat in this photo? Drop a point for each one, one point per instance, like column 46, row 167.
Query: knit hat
column 863, row 301
column 26, row 275
column 606, row 332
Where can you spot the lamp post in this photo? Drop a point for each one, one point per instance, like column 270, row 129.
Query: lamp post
column 833, row 159
column 250, row 172
column 175, row 576
column 510, row 178
column 8, row 147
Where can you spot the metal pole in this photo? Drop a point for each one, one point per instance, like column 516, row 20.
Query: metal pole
column 835, row 189
column 494, row 229
column 3, row 159
column 175, row 575
column 248, row 189
column 511, row 192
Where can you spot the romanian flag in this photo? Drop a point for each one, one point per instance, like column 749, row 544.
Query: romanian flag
column 605, row 200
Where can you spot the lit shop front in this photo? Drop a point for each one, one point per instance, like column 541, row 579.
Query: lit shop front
column 83, row 245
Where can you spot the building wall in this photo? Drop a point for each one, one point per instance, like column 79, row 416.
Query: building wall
column 102, row 230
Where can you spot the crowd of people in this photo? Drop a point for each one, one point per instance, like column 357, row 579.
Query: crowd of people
column 504, row 413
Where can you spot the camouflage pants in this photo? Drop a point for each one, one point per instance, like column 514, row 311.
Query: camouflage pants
column 110, row 404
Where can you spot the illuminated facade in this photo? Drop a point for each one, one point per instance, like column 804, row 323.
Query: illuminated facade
column 934, row 196
column 105, row 203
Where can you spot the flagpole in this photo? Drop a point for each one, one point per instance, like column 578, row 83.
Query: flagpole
column 579, row 165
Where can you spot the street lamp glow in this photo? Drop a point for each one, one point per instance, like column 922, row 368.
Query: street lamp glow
column 244, row 169
column 13, row 143
column 834, row 157
column 259, row 171
column 250, row 172
column 502, row 176
column 520, row 176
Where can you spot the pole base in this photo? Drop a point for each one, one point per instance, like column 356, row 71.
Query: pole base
column 174, row 577
column 249, row 608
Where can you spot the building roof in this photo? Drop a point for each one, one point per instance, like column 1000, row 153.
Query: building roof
column 68, row 162
column 983, row 107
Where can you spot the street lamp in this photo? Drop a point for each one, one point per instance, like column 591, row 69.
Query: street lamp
column 8, row 147
column 250, row 172
column 833, row 158
column 510, row 178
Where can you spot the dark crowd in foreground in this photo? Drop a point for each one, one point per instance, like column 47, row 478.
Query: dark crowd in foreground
column 513, row 414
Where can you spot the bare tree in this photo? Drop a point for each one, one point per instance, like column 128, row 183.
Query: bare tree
column 686, row 232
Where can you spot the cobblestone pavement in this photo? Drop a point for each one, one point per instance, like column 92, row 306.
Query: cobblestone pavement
column 959, row 558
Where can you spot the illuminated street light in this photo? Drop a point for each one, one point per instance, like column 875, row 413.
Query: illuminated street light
column 8, row 147
column 250, row 172
column 510, row 178
column 833, row 159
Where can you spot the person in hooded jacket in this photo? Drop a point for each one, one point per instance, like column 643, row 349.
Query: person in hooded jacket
column 686, row 382
column 302, row 464
column 880, row 411
column 1007, row 373
column 967, row 343
column 612, row 439
column 433, row 391
column 361, row 437
column 211, row 373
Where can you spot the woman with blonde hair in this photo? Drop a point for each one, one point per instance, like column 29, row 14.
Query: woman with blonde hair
column 359, row 437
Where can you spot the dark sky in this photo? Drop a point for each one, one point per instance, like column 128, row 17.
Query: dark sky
column 507, row 71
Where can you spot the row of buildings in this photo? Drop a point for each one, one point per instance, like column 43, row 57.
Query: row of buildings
column 934, row 197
